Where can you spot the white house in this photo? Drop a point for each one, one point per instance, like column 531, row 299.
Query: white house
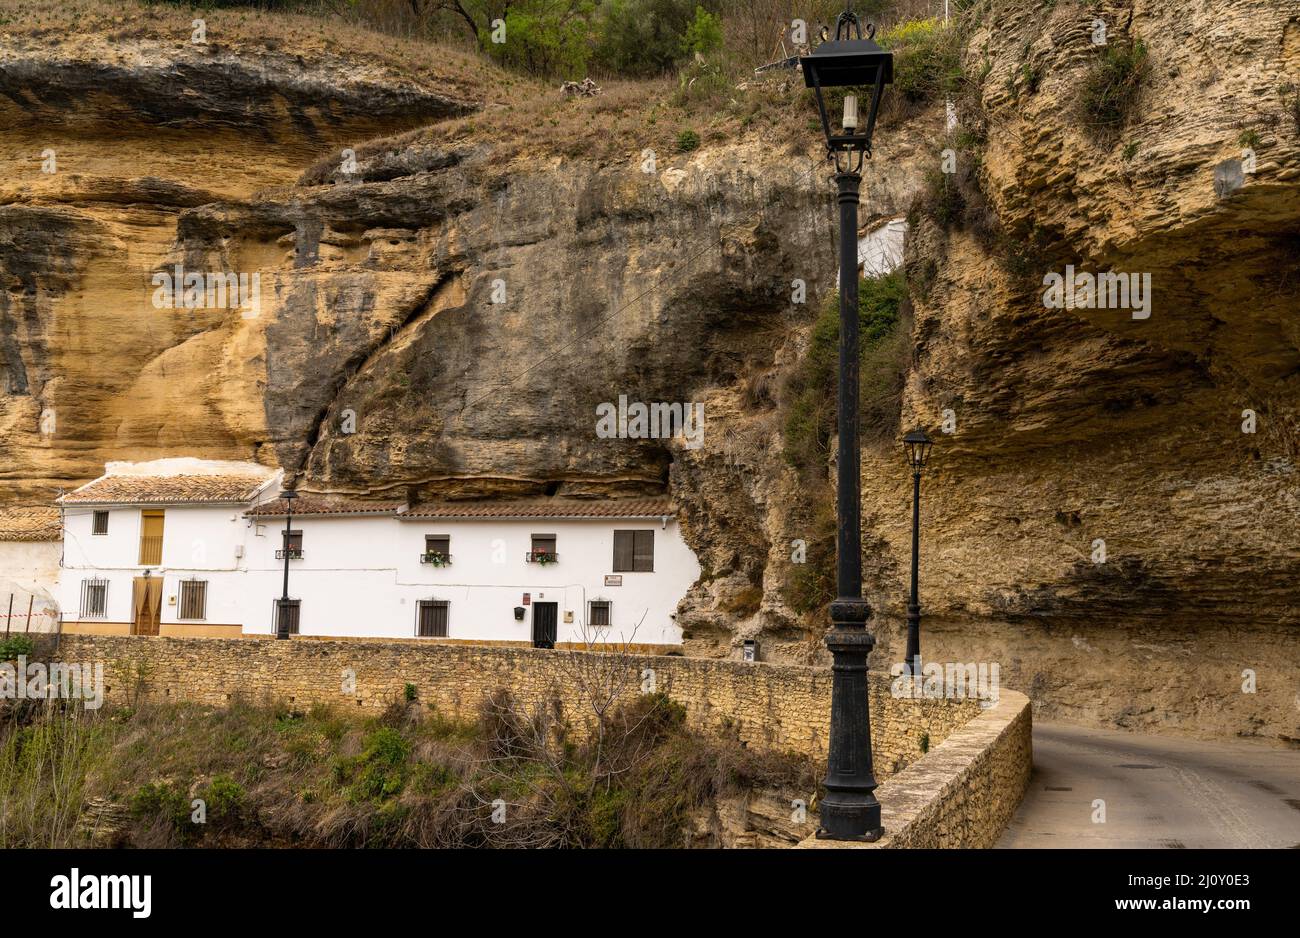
column 184, row 552
column 156, row 548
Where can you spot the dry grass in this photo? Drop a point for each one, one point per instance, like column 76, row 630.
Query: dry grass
column 524, row 117
column 629, row 118
column 77, row 27
column 269, row 775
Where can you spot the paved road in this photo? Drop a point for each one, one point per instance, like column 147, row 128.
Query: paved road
column 1159, row 791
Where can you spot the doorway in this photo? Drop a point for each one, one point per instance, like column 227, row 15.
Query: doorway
column 147, row 604
column 545, row 627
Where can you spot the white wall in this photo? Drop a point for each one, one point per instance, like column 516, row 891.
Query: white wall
column 31, row 566
column 362, row 576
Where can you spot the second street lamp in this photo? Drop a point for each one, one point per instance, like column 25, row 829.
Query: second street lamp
column 282, row 620
column 849, row 811
column 917, row 446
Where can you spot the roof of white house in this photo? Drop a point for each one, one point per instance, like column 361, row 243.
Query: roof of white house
column 30, row 524
column 173, row 481
column 553, row 508
column 309, row 504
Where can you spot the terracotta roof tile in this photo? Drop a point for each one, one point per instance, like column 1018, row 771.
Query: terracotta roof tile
column 30, row 524
column 308, row 504
column 572, row 508
column 179, row 489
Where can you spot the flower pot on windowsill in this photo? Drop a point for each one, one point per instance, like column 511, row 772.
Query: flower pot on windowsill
column 436, row 558
column 545, row 558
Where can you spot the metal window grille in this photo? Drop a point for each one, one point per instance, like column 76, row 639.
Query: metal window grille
column 94, row 599
column 432, row 621
column 194, row 599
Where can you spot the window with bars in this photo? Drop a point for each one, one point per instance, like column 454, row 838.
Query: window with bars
column 194, row 599
column 290, row 610
column 634, row 551
column 431, row 619
column 599, row 613
column 94, row 599
column 99, row 523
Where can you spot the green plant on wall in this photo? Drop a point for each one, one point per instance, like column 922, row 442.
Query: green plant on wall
column 1110, row 90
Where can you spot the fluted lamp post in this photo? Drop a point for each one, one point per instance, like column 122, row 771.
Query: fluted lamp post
column 282, row 620
column 917, row 447
column 849, row 810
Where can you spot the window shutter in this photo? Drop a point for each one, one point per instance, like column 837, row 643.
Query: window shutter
column 599, row 613
column 643, row 559
column 290, row 610
column 624, row 551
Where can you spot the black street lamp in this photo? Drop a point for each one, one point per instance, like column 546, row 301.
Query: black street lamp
column 282, row 620
column 850, row 810
column 917, row 445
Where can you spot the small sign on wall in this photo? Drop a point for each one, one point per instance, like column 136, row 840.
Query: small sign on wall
column 613, row 579
column 528, row 599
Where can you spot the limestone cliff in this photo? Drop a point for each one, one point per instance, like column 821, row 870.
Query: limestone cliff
column 449, row 288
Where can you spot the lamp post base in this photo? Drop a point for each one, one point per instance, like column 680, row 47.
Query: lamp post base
column 850, row 810
column 870, row 837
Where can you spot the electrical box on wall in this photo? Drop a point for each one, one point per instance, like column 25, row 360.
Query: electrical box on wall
column 568, row 615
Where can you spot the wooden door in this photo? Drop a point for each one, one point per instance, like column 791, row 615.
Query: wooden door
column 147, row 604
column 545, row 626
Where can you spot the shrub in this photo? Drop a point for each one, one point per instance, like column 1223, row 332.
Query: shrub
column 927, row 59
column 15, row 645
column 161, row 801
column 703, row 35
column 225, row 799
column 379, row 772
column 1110, row 90
column 810, row 393
column 688, row 140
column 645, row 38
column 545, row 37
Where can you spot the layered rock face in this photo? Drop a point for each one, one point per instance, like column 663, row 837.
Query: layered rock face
column 440, row 320
column 1083, row 434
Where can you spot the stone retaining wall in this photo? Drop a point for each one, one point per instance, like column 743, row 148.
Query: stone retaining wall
column 779, row 707
column 964, row 792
